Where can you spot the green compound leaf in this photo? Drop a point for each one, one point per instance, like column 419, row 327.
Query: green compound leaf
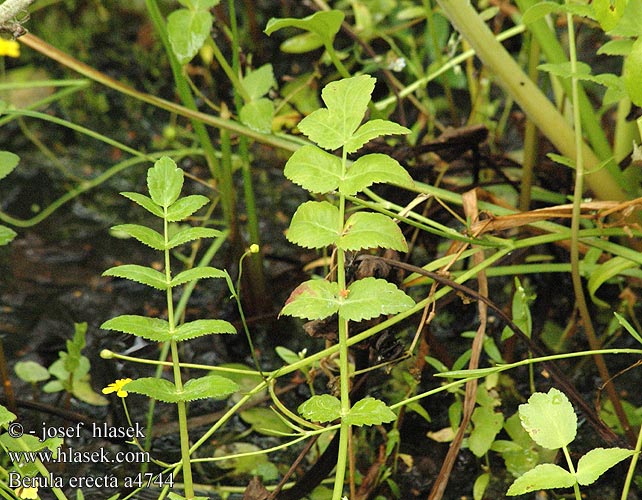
column 370, row 411
column 146, row 202
column 164, row 181
column 346, row 101
column 258, row 115
column 187, row 31
column 201, row 327
column 210, row 386
column 315, row 224
column 372, row 129
column 191, row 234
column 140, row 274
column 314, row 170
column 605, row 272
column 143, row 234
column 149, row 328
column 369, row 230
column 321, row 408
column 257, row 83
column 632, row 72
column 6, row 235
column 196, row 274
column 597, row 461
column 8, row 162
column 371, row 297
column 542, row 477
column 373, row 168
column 549, row 419
column 314, row 299
column 184, row 207
column 324, row 24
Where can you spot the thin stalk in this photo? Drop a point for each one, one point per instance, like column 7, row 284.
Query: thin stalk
column 530, row 136
column 576, row 278
column 571, row 467
column 632, row 465
column 530, row 98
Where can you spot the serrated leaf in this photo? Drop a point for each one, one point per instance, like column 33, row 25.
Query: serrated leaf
column 542, row 477
column 196, row 274
column 143, row 234
column 325, row 24
column 191, row 234
column 549, row 419
column 540, row 10
column 371, row 297
column 8, row 162
column 31, row 372
column 315, row 224
column 146, row 202
column 372, row 129
column 630, row 24
column 605, row 272
column 6, row 416
column 486, row 425
column 184, row 207
column 164, row 181
column 373, row 168
column 632, row 73
column 200, row 327
column 346, row 101
column 370, row 230
column 210, row 386
column 597, row 461
column 140, row 274
column 369, row 411
column 314, row 169
column 6, row 235
column 149, row 328
column 608, row 13
column 187, row 31
column 563, row 70
column 321, row 408
column 314, row 299
column 257, row 115
column 258, row 82
column 616, row 48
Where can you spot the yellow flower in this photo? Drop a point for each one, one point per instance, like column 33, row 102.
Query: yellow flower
column 28, row 493
column 117, row 387
column 254, row 248
column 9, row 48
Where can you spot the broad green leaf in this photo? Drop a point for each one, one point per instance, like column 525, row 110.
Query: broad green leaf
column 187, row 31
column 563, row 70
column 149, row 328
column 191, row 234
column 196, row 274
column 184, row 207
column 370, row 411
column 200, row 327
column 314, row 169
column 605, row 272
column 629, row 328
column 265, row 421
column 143, row 234
column 346, row 101
column 480, row 485
column 325, row 24
column 321, row 408
column 630, row 24
column 542, row 477
column 632, row 73
column 8, row 162
column 200, row 4
column 608, row 13
column 31, row 372
column 146, row 202
column 287, row 355
column 6, row 235
column 314, row 299
column 164, row 181
column 370, row 230
column 549, row 419
column 521, row 311
column 258, row 82
column 597, row 461
column 210, row 386
column 372, row 129
column 371, row 297
column 258, row 115
column 616, row 48
column 300, row 44
column 542, row 9
column 371, row 169
column 6, row 416
column 315, row 224
column 486, row 425
column 141, row 274
column 83, row 390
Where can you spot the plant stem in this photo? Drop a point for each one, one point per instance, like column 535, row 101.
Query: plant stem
column 571, row 467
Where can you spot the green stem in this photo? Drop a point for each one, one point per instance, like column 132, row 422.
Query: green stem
column 571, row 467
column 632, row 465
column 530, row 98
